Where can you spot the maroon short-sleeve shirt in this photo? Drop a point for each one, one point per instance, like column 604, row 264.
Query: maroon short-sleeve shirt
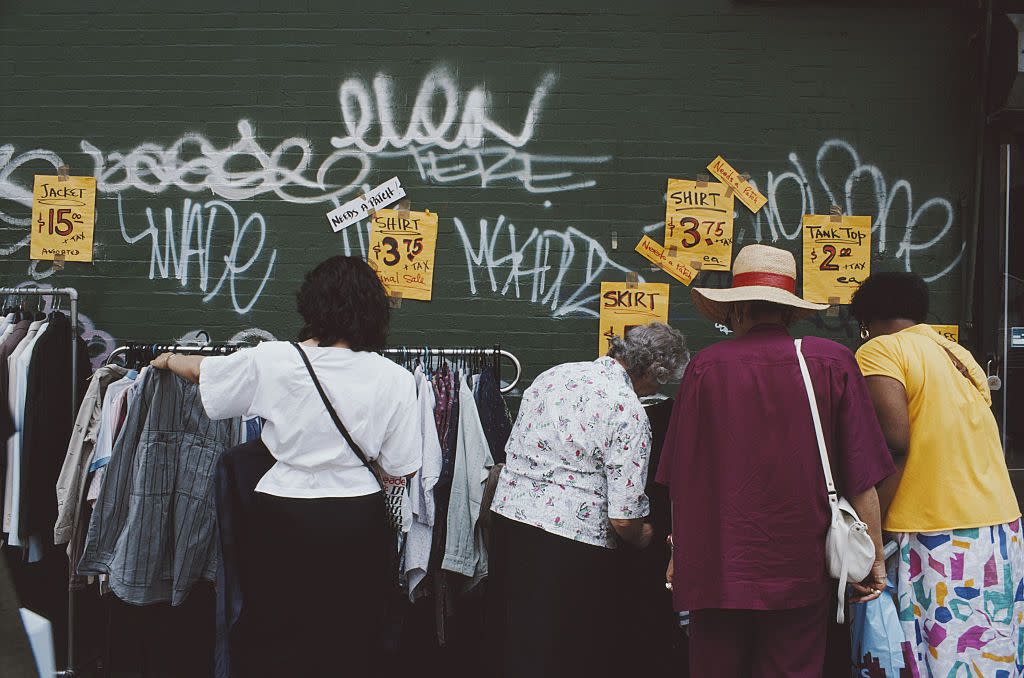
column 750, row 509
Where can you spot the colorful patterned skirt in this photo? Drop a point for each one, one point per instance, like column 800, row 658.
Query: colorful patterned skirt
column 961, row 601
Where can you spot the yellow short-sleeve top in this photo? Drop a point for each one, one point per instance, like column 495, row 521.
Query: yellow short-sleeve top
column 955, row 475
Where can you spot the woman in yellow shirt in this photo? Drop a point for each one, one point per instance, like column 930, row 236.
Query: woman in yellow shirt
column 951, row 508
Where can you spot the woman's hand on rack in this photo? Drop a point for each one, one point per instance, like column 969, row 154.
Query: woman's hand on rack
column 162, row 361
column 185, row 366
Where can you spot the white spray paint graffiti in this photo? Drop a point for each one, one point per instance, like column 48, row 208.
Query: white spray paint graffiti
column 863, row 184
column 174, row 247
column 474, row 125
column 193, row 164
column 495, row 165
column 458, row 141
column 450, row 137
column 542, row 260
column 561, row 270
column 251, row 336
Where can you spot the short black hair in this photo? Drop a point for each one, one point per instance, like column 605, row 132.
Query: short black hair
column 890, row 295
column 342, row 299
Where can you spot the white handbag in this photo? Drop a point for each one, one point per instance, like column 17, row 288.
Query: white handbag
column 849, row 550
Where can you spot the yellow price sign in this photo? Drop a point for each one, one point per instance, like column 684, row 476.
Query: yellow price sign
column 837, row 257
column 625, row 305
column 651, row 250
column 951, row 332
column 402, row 246
column 63, row 218
column 699, row 224
column 745, row 191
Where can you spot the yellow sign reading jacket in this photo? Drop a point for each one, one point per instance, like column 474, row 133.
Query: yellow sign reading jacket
column 63, row 218
column 625, row 305
column 402, row 246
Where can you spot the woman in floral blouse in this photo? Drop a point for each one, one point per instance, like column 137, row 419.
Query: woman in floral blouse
column 572, row 489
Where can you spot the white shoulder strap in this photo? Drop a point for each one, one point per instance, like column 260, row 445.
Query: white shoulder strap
column 833, row 497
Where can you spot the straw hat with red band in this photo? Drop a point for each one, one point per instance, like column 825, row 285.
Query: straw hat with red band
column 760, row 273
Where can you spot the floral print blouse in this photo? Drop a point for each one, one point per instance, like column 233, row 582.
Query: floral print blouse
column 578, row 453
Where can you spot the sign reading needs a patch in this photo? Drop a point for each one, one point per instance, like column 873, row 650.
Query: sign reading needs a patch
column 359, row 208
column 402, row 246
column 625, row 305
column 63, row 218
column 951, row 332
column 837, row 257
column 699, row 223
column 745, row 191
column 674, row 266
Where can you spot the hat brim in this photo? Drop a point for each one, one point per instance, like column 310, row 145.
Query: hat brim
column 714, row 303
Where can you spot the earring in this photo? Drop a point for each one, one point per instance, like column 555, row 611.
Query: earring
column 864, row 334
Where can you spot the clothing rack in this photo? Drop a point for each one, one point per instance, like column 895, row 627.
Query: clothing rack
column 72, row 295
column 225, row 349
column 463, row 351
column 191, row 349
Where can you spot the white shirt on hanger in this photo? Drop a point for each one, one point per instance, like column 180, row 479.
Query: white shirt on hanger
column 374, row 397
column 6, row 325
column 18, row 365
column 421, row 490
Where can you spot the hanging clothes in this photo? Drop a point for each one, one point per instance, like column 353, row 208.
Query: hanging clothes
column 13, row 336
column 421, row 491
column 465, row 552
column 238, row 472
column 156, row 543
column 18, row 365
column 494, row 414
column 115, row 403
column 446, row 383
column 48, row 428
column 71, row 482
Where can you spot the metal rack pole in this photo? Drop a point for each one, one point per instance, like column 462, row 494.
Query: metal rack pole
column 457, row 351
column 72, row 294
column 220, row 349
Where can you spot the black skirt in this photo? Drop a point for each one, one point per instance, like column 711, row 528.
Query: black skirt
column 316, row 588
column 556, row 607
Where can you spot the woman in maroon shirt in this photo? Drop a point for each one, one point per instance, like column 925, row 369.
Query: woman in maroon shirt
column 750, row 509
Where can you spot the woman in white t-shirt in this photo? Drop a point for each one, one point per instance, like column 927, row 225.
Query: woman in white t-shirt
column 314, row 595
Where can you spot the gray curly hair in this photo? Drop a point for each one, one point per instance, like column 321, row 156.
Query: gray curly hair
column 655, row 349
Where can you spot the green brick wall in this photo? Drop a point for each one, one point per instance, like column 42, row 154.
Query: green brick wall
column 219, row 133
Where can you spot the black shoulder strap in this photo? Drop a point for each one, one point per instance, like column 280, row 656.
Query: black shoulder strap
column 330, row 409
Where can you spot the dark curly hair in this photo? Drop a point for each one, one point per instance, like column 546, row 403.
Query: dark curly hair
column 889, row 295
column 342, row 299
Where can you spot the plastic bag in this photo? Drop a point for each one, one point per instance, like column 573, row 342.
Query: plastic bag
column 876, row 638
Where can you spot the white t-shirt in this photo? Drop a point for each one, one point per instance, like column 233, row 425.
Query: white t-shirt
column 374, row 397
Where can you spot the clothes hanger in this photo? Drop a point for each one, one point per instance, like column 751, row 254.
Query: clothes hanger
column 39, row 314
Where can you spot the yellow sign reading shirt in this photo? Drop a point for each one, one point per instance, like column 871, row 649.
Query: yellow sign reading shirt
column 402, row 246
column 837, row 257
column 955, row 475
column 63, row 218
column 625, row 305
column 699, row 224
